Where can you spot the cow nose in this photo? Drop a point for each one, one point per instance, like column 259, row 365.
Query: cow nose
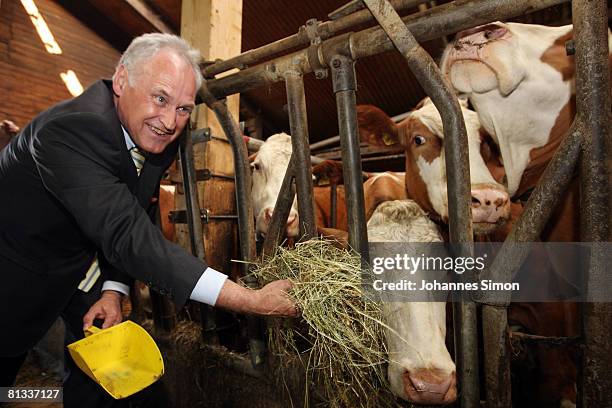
column 428, row 387
column 268, row 213
column 291, row 219
column 489, row 205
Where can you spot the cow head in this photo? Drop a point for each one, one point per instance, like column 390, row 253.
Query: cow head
column 485, row 58
column 520, row 81
column 420, row 367
column 268, row 168
column 422, row 136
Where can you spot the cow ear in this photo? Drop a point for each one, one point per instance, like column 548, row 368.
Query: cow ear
column 376, row 127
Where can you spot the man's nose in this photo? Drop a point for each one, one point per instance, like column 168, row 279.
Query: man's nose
column 168, row 120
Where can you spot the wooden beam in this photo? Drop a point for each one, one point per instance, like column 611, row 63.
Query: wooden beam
column 149, row 15
column 215, row 28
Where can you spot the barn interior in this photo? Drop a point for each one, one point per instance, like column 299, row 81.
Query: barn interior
column 384, row 80
column 50, row 50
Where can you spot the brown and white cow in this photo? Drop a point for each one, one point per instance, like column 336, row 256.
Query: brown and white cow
column 423, row 138
column 555, row 374
column 268, row 170
column 521, row 83
column 420, row 367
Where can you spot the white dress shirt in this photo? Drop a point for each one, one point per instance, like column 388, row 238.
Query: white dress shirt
column 207, row 288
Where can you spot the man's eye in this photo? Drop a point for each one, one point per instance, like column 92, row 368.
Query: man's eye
column 184, row 111
column 160, row 99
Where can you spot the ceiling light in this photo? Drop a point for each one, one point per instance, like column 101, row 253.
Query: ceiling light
column 41, row 27
column 72, row 82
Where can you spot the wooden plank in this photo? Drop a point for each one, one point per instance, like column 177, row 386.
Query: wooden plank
column 214, row 27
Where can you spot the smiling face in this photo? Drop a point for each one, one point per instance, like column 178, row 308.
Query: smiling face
column 155, row 107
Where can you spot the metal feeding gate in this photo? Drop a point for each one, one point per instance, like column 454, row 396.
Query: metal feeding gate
column 324, row 53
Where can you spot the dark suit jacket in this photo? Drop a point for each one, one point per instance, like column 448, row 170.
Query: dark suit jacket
column 70, row 189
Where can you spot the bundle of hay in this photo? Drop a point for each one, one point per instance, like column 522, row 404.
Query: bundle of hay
column 341, row 343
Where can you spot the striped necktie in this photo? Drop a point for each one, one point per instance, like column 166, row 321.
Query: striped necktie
column 138, row 159
column 93, row 273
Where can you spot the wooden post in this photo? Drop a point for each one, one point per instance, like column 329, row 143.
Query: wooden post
column 214, row 27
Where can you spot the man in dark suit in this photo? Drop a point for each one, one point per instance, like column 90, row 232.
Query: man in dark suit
column 76, row 199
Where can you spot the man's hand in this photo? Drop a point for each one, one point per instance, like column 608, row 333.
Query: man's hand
column 7, row 130
column 271, row 300
column 107, row 308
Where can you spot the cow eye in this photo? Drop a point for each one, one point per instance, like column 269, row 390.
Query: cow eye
column 419, row 140
column 255, row 166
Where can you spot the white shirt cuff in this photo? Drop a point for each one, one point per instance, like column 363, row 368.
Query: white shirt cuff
column 208, row 287
column 116, row 286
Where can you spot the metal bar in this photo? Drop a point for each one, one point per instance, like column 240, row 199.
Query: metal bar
column 496, row 358
column 385, row 158
column 333, row 198
column 427, row 25
column 245, row 212
column 298, row 123
column 194, row 222
column 593, row 104
column 276, row 228
column 551, row 341
column 458, row 183
column 343, row 78
column 343, row 11
column 325, row 30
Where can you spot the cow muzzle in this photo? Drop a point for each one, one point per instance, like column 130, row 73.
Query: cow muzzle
column 430, row 388
column 490, row 209
column 292, row 227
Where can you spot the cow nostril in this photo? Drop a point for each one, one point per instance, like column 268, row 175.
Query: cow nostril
column 488, row 202
column 268, row 214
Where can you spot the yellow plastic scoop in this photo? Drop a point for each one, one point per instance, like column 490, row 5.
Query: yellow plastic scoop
column 123, row 359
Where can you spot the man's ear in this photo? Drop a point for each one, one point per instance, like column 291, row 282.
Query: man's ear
column 120, row 80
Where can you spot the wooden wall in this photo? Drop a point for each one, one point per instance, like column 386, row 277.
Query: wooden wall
column 30, row 78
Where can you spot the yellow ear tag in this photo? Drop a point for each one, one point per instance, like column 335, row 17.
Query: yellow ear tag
column 388, row 139
column 323, row 181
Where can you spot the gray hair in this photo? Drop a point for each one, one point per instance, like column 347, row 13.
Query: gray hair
column 147, row 45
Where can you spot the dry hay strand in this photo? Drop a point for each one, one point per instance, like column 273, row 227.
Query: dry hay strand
column 341, row 343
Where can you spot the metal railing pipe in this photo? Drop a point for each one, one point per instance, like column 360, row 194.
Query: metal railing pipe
column 593, row 104
column 194, row 223
column 298, row 123
column 244, row 206
column 344, row 83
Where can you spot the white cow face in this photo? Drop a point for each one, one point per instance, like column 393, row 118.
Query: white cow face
column 268, row 170
column 420, row 367
column 486, row 58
